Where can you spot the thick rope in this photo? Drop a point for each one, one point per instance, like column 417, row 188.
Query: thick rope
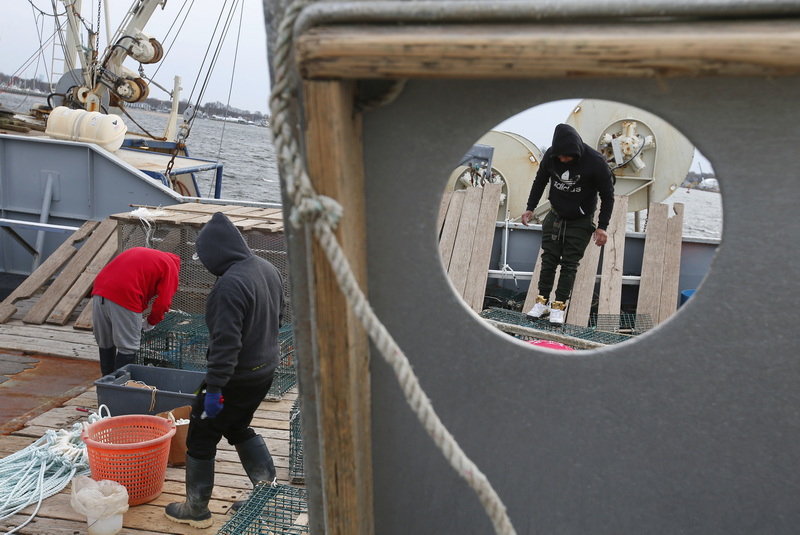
column 42, row 469
column 322, row 215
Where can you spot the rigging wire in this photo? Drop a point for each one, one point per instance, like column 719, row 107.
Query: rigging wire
column 168, row 49
column 230, row 90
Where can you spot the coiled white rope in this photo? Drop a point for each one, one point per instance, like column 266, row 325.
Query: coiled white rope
column 42, row 469
column 322, row 214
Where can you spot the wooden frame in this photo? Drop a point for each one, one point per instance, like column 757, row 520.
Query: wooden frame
column 330, row 58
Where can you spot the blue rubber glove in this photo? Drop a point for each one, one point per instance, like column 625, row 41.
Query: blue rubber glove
column 212, row 405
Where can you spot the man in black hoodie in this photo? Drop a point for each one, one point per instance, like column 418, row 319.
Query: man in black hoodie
column 577, row 174
column 244, row 311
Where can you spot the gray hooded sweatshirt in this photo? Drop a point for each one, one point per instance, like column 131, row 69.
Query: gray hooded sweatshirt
column 244, row 309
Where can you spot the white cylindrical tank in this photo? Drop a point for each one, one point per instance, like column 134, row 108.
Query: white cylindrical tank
column 515, row 162
column 106, row 130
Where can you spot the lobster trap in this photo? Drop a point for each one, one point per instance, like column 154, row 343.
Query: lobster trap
column 180, row 341
column 296, row 472
column 270, row 510
column 174, row 229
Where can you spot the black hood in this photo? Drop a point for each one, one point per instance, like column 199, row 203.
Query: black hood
column 566, row 142
column 219, row 245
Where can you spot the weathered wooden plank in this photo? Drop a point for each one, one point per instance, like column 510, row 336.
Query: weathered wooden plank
column 67, row 305
column 465, row 237
column 46, row 270
column 38, row 314
column 672, row 265
column 533, row 289
column 443, row 211
column 478, row 273
column 649, row 300
column 450, row 229
column 12, row 444
column 550, row 49
column 613, row 255
column 335, row 166
column 46, row 333
column 84, row 320
column 48, row 348
column 580, row 303
column 145, row 516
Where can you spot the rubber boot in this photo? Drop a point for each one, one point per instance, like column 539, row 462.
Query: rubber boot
column 199, row 484
column 257, row 462
column 124, row 359
column 108, row 356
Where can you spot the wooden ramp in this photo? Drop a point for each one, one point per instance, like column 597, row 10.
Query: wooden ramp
column 658, row 289
column 57, row 292
column 72, row 269
column 467, row 221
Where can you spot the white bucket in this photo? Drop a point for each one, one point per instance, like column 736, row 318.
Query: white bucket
column 105, row 526
column 107, row 131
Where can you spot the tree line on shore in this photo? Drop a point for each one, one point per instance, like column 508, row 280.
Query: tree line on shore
column 42, row 88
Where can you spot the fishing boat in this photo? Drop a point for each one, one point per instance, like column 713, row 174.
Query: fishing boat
column 82, row 156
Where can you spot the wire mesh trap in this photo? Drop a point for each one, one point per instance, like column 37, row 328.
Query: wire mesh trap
column 281, row 510
column 180, row 341
column 603, row 329
column 195, row 282
column 296, row 473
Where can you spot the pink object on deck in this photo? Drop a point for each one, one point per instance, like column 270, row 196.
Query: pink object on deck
column 550, row 345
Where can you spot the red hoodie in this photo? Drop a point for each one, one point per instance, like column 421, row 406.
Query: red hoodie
column 135, row 276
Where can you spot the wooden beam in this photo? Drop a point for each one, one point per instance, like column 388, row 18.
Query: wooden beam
column 447, row 240
column 649, row 301
column 551, row 50
column 670, row 282
column 580, row 302
column 613, row 257
column 335, row 165
column 67, row 305
column 478, row 274
column 50, row 298
column 467, row 223
column 46, row 270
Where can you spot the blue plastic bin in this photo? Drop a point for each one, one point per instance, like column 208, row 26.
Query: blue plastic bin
column 685, row 295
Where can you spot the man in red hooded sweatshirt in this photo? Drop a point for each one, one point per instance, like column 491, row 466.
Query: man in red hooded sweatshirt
column 122, row 291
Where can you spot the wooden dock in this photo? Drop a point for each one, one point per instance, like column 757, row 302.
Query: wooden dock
column 57, row 517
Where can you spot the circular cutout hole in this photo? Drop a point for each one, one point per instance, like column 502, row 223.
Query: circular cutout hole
column 661, row 238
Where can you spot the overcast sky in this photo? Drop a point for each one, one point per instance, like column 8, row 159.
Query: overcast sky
column 19, row 42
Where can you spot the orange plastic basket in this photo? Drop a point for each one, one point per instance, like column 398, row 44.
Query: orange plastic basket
column 131, row 450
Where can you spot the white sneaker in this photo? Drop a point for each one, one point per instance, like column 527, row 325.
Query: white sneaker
column 557, row 311
column 540, row 308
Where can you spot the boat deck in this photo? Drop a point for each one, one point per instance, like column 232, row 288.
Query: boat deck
column 56, row 516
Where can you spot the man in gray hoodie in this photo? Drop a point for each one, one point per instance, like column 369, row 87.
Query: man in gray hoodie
column 244, row 312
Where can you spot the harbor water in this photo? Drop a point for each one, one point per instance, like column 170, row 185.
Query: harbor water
column 250, row 169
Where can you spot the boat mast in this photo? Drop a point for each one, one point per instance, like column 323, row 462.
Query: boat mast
column 109, row 75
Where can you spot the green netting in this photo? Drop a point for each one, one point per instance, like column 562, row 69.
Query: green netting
column 270, row 510
column 296, row 474
column 180, row 341
column 286, row 373
column 603, row 328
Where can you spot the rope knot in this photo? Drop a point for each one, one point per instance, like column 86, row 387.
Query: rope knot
column 316, row 209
